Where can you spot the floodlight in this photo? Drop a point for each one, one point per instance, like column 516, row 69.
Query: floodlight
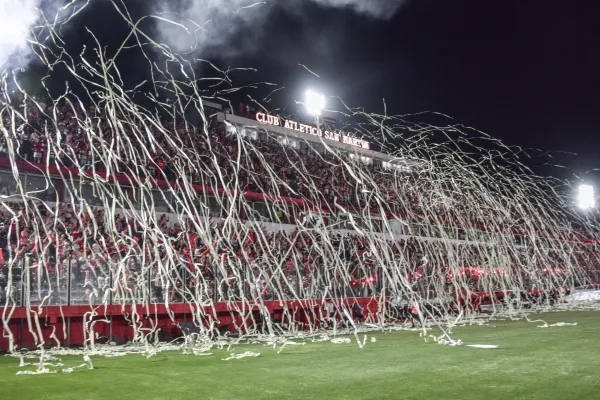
column 585, row 197
column 315, row 102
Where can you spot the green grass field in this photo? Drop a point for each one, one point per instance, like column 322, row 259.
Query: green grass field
column 531, row 363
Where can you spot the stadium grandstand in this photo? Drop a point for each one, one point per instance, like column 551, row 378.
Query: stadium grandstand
column 251, row 223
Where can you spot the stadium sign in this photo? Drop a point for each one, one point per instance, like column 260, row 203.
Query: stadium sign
column 311, row 130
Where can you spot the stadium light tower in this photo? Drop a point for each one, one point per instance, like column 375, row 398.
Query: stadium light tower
column 315, row 103
column 585, row 197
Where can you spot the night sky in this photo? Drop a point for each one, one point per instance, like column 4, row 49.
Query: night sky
column 527, row 72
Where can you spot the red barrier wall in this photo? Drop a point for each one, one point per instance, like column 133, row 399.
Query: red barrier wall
column 68, row 323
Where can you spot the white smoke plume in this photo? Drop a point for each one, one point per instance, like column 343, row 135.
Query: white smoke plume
column 200, row 24
column 16, row 19
column 26, row 23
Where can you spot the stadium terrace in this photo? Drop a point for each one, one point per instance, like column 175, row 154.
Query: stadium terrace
column 258, row 226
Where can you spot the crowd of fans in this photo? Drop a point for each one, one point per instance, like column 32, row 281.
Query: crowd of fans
column 69, row 252
column 265, row 166
column 71, row 259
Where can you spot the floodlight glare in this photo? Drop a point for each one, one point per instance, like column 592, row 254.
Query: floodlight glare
column 585, row 197
column 315, row 102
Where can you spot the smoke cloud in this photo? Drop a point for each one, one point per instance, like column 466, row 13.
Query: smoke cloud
column 200, row 24
column 382, row 9
column 16, row 19
column 212, row 24
column 25, row 22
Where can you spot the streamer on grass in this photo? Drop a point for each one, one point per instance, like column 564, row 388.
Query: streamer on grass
column 135, row 204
